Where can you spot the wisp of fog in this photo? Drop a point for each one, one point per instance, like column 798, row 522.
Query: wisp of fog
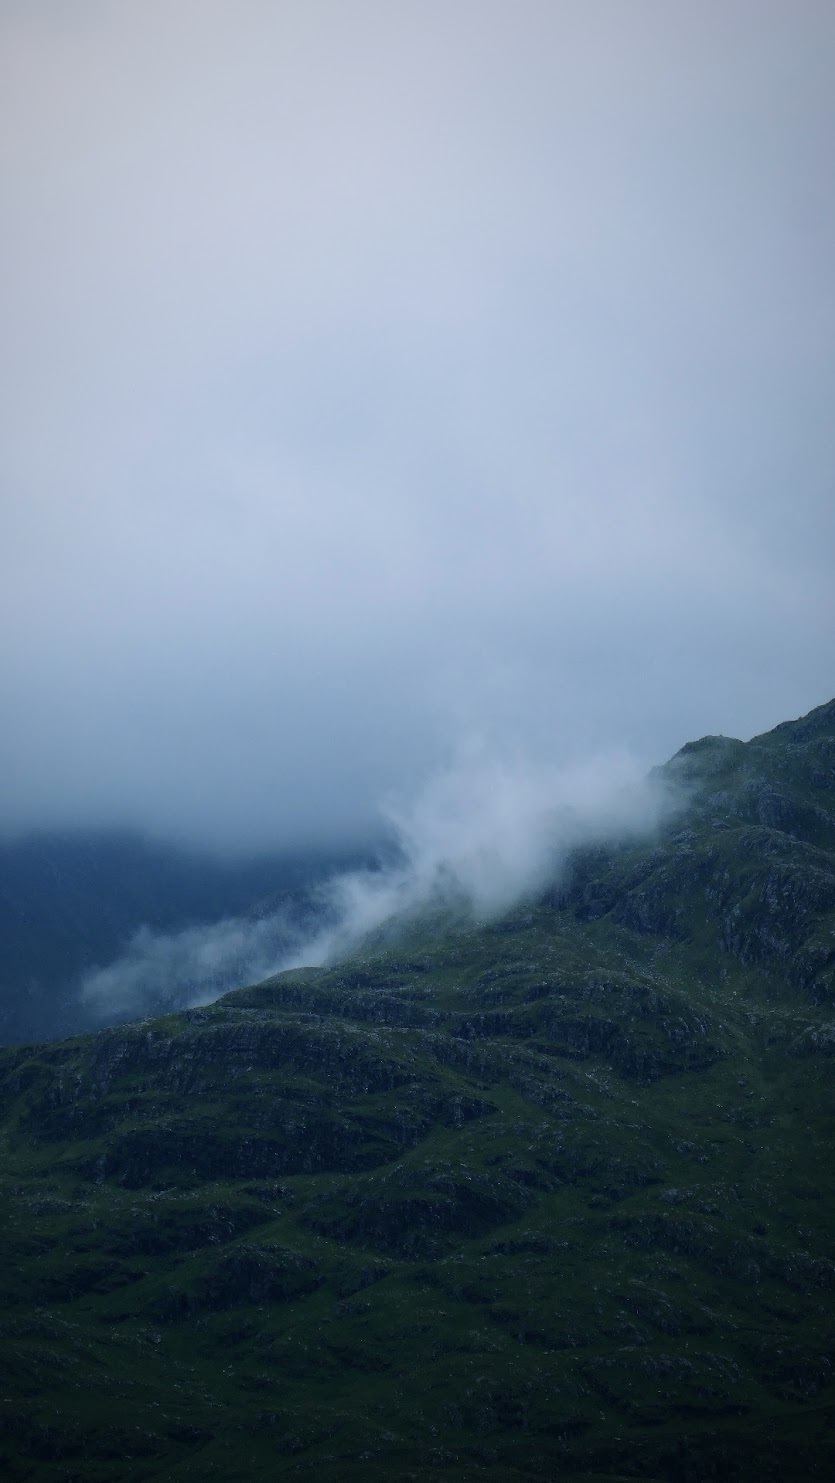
column 475, row 839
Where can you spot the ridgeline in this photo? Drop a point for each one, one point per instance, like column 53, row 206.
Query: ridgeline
column 550, row 1198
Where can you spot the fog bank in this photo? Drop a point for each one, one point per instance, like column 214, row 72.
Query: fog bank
column 476, row 839
column 378, row 374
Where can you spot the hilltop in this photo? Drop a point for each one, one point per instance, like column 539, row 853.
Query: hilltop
column 550, row 1197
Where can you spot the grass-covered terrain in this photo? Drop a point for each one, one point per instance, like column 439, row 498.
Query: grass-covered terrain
column 546, row 1199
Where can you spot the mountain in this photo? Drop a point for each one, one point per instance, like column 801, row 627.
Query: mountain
column 72, row 900
column 546, row 1198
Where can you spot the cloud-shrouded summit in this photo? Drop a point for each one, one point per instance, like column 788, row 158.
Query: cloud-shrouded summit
column 380, row 377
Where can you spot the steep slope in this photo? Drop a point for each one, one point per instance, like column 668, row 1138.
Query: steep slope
column 547, row 1198
column 747, row 871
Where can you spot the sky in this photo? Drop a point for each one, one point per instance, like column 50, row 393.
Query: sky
column 388, row 381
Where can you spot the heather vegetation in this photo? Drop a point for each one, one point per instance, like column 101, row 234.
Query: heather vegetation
column 547, row 1197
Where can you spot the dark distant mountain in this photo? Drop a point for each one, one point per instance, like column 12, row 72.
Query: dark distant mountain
column 547, row 1199
column 71, row 901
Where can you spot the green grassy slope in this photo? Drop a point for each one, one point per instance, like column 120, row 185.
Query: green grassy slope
column 547, row 1199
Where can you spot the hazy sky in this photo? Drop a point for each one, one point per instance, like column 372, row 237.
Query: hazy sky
column 381, row 375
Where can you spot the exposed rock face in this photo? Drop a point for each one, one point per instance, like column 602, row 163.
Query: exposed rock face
column 551, row 1198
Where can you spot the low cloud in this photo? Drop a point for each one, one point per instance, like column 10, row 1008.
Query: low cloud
column 164, row 971
column 477, row 838
column 376, row 372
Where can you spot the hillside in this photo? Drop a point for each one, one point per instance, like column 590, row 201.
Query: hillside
column 547, row 1198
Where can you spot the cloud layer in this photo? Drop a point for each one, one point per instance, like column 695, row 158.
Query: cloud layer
column 377, row 376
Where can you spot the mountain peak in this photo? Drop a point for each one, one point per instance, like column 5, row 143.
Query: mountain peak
column 819, row 722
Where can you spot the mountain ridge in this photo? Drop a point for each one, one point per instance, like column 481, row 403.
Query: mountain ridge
column 550, row 1196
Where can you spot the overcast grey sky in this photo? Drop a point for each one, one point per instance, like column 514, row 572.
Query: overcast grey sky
column 378, row 375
